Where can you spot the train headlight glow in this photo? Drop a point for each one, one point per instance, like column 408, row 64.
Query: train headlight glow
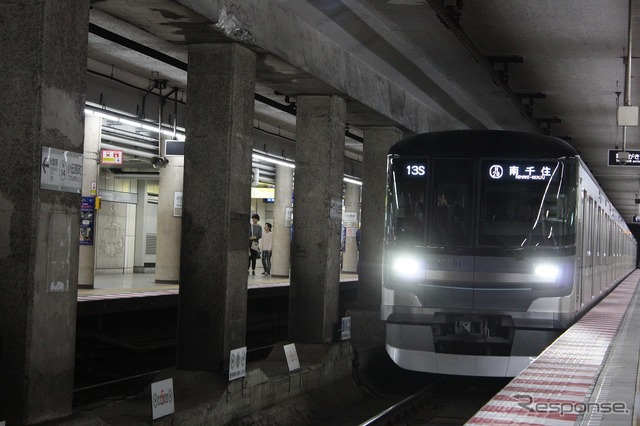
column 407, row 267
column 547, row 271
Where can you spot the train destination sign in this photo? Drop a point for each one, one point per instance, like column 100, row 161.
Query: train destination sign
column 534, row 171
column 634, row 158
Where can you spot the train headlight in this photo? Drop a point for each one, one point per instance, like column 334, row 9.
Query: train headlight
column 547, row 272
column 407, row 267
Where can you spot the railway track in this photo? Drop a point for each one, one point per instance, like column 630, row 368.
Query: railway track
column 448, row 400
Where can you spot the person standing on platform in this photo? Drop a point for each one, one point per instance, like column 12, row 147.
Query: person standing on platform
column 266, row 244
column 255, row 233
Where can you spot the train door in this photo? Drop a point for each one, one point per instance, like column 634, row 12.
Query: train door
column 597, row 260
column 587, row 251
column 579, row 251
column 608, row 258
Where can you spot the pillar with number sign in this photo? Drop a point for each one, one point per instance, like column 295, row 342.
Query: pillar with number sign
column 315, row 256
column 215, row 213
column 169, row 224
column 282, row 221
column 44, row 63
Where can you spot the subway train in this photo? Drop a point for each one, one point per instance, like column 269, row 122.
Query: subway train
column 495, row 243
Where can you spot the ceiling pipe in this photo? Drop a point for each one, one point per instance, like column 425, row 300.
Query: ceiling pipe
column 129, row 142
column 627, row 81
column 129, row 151
column 118, row 174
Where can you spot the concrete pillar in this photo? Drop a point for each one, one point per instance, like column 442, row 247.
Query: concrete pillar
column 169, row 226
column 315, row 258
column 90, row 174
column 217, row 197
column 377, row 142
column 282, row 213
column 44, row 62
column 350, row 222
column 140, row 245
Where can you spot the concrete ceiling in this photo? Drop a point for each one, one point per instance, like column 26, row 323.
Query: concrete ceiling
column 419, row 65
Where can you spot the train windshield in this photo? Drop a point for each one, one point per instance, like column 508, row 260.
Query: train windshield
column 431, row 202
column 520, row 204
column 407, row 185
column 526, row 204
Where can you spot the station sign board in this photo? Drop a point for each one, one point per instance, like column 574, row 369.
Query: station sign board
column 257, row 192
column 61, row 170
column 634, row 158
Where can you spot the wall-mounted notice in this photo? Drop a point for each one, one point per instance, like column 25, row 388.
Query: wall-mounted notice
column 346, row 328
column 335, row 209
column 238, row 363
column 61, row 170
column 177, row 204
column 288, row 216
column 87, row 219
column 292, row 356
column 162, row 398
column 350, row 219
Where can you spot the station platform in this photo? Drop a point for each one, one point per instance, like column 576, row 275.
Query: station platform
column 589, row 375
column 121, row 285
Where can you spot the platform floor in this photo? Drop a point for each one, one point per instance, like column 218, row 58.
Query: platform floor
column 588, row 376
column 119, row 284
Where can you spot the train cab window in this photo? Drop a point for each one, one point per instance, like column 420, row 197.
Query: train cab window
column 406, row 206
column 451, row 203
column 527, row 203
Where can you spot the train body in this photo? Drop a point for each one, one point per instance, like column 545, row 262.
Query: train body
column 495, row 243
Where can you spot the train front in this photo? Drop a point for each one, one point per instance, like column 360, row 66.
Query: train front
column 479, row 261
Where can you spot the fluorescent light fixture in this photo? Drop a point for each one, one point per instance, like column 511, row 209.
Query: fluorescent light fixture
column 352, row 180
column 131, row 121
column 101, row 114
column 273, row 160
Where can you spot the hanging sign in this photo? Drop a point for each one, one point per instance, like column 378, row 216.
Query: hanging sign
column 109, row 157
column 634, row 158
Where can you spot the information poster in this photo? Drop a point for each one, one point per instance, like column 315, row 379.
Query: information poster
column 87, row 220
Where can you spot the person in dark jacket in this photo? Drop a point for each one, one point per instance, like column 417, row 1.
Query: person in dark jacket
column 255, row 233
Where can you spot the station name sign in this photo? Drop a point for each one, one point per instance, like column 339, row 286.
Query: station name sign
column 634, row 158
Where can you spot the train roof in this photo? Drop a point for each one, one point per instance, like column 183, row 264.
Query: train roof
column 484, row 143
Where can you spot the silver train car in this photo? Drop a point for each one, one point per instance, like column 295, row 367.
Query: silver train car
column 495, row 243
